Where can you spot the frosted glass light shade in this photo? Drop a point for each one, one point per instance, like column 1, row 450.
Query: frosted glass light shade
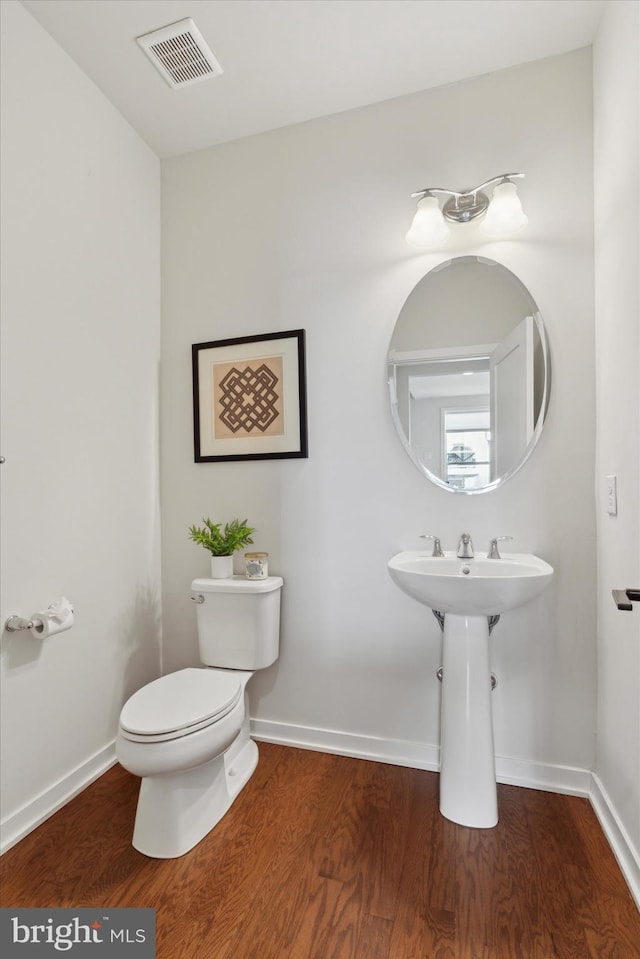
column 428, row 229
column 504, row 216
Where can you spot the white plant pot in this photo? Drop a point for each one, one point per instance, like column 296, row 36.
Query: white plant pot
column 221, row 567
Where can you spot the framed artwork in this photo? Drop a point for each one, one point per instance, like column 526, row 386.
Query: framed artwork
column 249, row 398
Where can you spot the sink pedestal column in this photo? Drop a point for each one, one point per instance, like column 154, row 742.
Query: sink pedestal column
column 467, row 763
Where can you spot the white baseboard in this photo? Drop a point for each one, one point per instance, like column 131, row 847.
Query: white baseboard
column 16, row 826
column 562, row 779
column 567, row 780
column 617, row 836
column 394, row 751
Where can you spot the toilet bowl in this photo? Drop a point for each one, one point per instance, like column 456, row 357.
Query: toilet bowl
column 193, row 752
column 187, row 733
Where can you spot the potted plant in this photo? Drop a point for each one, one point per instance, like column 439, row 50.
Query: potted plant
column 222, row 543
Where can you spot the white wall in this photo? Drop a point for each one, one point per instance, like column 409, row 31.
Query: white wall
column 617, row 255
column 304, row 227
column 80, row 358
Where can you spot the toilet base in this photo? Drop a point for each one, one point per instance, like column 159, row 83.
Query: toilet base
column 176, row 811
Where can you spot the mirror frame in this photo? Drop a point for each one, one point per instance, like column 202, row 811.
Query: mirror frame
column 544, row 402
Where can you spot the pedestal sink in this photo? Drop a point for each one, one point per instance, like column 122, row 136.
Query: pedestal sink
column 467, row 591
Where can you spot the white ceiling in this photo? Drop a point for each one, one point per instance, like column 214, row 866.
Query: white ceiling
column 286, row 61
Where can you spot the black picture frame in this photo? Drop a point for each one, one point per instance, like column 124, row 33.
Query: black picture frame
column 250, row 398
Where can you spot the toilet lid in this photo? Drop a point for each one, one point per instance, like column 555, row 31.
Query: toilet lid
column 181, row 702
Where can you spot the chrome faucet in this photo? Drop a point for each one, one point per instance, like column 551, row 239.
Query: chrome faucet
column 465, row 547
column 437, row 548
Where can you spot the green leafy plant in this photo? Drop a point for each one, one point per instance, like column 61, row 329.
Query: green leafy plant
column 222, row 542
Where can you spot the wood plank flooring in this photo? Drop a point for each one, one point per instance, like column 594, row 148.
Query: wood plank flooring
column 325, row 857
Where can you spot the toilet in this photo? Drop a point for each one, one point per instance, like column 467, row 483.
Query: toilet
column 187, row 733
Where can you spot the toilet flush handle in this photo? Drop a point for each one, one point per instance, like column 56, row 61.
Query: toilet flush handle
column 198, row 598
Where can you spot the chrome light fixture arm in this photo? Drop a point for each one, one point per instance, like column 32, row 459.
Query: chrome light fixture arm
column 496, row 179
column 462, row 207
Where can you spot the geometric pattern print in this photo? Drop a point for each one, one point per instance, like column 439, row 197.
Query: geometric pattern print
column 248, row 399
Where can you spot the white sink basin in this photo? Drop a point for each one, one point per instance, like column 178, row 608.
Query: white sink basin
column 470, row 587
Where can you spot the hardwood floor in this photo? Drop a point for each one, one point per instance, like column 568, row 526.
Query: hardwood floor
column 325, row 857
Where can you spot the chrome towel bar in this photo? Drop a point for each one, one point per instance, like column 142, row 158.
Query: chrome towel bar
column 623, row 598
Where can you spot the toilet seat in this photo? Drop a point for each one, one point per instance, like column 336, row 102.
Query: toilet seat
column 180, row 703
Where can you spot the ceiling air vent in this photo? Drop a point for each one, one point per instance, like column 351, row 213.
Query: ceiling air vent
column 179, row 52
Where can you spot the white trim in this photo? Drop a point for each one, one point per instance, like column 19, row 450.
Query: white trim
column 617, row 836
column 568, row 780
column 16, row 826
column 563, row 779
column 397, row 752
column 443, row 353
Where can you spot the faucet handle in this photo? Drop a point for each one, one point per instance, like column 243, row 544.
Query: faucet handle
column 494, row 552
column 437, row 548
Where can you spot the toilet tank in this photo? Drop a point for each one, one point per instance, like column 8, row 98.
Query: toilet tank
column 238, row 621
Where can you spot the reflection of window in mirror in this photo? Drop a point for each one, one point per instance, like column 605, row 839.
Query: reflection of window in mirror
column 466, row 447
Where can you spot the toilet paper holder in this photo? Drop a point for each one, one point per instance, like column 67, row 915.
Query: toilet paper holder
column 60, row 611
column 15, row 623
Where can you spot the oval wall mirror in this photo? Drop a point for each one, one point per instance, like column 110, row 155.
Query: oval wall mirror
column 469, row 374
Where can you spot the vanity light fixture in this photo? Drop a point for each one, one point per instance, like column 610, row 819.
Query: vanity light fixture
column 502, row 214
